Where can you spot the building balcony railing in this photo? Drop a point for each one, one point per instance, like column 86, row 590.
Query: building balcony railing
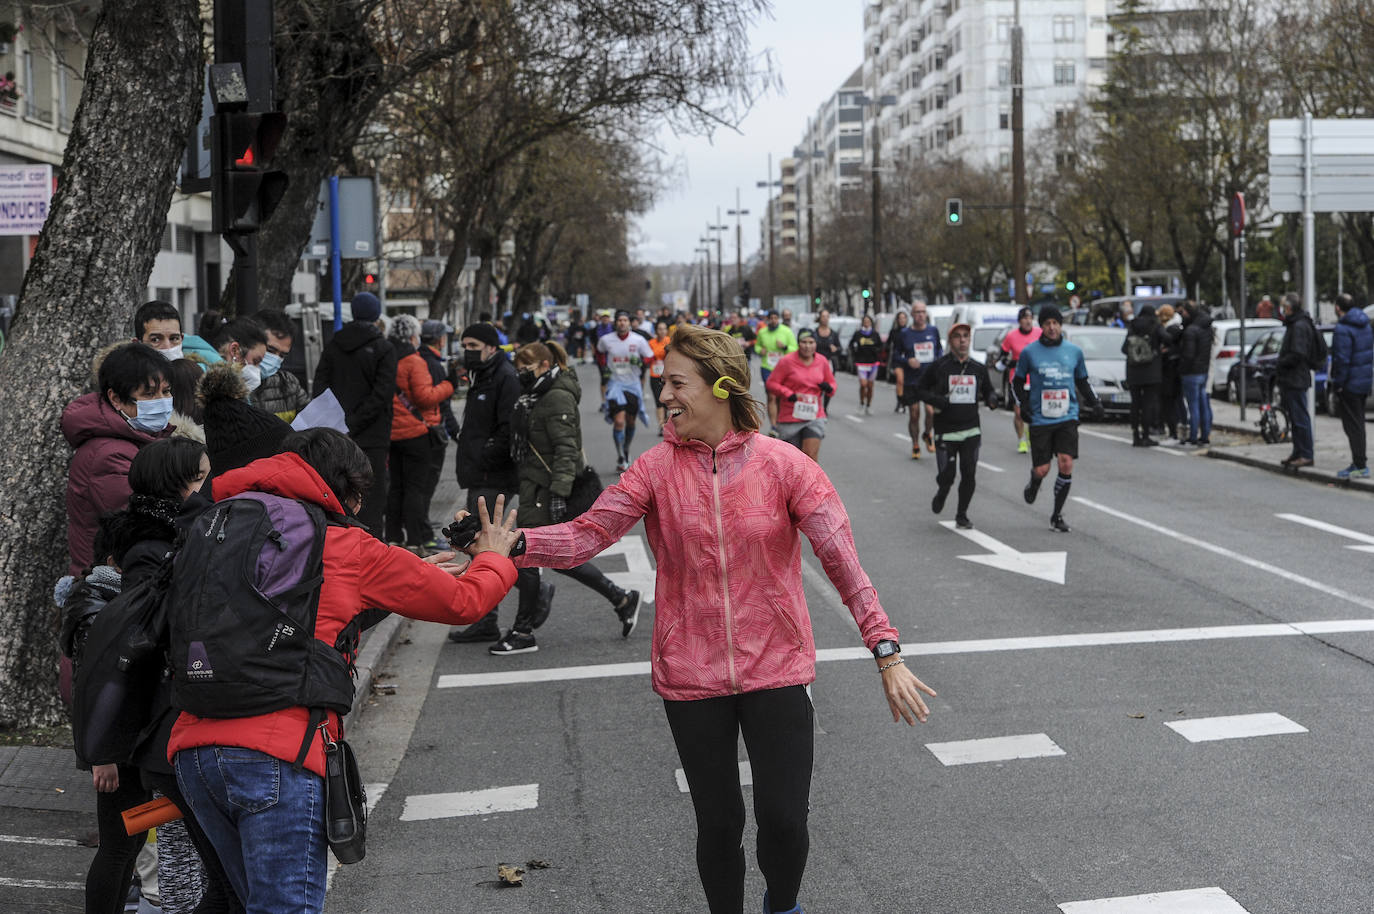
column 35, row 113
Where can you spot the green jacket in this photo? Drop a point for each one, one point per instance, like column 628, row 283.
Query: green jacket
column 555, row 434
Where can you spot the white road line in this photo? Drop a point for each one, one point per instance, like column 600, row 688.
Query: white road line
column 374, row 795
column 934, row 648
column 1239, row 726
column 853, row 418
column 1190, row 901
column 1231, row 554
column 1356, row 535
column 746, row 778
column 48, row 842
column 1158, row 450
column 901, row 436
column 988, row 466
column 470, row 802
column 995, row 749
column 9, row 883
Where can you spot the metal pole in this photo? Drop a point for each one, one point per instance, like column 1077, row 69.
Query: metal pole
column 1240, row 249
column 1309, row 242
column 877, row 279
column 720, row 282
column 1018, row 163
column 1340, row 255
column 335, row 255
column 772, row 289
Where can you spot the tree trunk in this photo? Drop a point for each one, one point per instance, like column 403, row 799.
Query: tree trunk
column 90, row 270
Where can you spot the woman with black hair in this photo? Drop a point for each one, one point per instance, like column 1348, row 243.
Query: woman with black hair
column 242, row 342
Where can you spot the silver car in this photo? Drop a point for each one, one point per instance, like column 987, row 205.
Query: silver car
column 1106, row 364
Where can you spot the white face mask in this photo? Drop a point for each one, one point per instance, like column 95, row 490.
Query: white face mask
column 172, row 354
column 252, row 376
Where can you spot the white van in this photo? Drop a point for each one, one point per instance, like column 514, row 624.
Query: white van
column 988, row 319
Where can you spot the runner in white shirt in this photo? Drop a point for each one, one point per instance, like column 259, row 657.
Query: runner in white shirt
column 626, row 355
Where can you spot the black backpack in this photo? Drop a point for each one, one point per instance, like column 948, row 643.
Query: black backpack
column 1139, row 350
column 1317, row 360
column 122, row 669
column 244, row 597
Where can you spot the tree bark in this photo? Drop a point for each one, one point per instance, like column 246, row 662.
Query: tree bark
column 90, row 270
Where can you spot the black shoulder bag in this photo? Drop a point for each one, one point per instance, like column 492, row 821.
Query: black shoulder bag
column 345, row 801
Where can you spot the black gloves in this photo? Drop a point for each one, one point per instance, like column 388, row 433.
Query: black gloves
column 827, row 389
column 1098, row 411
column 1025, row 412
column 455, row 371
column 558, row 509
column 791, row 398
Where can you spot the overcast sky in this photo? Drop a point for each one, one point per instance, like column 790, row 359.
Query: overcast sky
column 816, row 44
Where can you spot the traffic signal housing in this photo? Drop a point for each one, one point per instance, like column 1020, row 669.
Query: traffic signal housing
column 867, row 291
column 245, row 189
column 954, row 211
column 1071, row 284
column 816, row 296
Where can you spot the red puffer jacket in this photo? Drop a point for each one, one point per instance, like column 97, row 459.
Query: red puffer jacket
column 415, row 383
column 359, row 571
column 98, row 479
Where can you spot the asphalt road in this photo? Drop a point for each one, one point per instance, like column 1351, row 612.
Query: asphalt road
column 1073, row 783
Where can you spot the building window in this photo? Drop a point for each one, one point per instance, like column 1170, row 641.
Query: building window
column 1063, row 118
column 1063, row 73
column 958, row 83
column 1004, row 119
column 186, row 239
column 1003, row 75
column 1063, row 28
column 1004, row 159
column 165, row 293
column 166, row 246
column 1003, row 29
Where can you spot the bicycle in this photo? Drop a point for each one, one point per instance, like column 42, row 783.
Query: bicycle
column 1273, row 423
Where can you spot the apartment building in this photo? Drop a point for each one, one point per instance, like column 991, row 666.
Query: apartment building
column 832, row 152
column 947, row 65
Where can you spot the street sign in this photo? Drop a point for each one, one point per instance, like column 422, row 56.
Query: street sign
column 1237, row 215
column 1342, row 157
column 471, row 264
column 25, row 192
column 357, row 221
column 583, row 299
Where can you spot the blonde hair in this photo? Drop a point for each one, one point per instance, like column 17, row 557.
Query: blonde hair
column 1165, row 313
column 718, row 356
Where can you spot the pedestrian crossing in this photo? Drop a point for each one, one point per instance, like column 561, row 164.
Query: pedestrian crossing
column 1189, row 901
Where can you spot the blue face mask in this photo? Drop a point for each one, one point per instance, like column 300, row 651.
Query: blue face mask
column 152, row 415
column 269, row 364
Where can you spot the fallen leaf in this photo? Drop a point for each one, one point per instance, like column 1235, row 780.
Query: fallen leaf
column 1136, row 716
column 510, row 875
column 537, row 864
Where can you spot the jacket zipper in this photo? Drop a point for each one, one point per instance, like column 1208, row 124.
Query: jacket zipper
column 724, row 578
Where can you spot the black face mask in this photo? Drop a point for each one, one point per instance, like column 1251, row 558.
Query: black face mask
column 472, row 359
column 527, row 378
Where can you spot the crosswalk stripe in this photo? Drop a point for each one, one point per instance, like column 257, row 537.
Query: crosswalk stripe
column 995, row 749
column 470, row 802
column 48, row 842
column 1190, row 901
column 1238, row 726
column 746, row 777
column 9, row 883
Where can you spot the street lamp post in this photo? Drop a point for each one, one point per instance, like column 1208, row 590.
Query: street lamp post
column 739, row 261
column 706, row 249
column 720, row 275
column 769, row 185
column 1018, row 164
column 808, row 155
column 876, row 106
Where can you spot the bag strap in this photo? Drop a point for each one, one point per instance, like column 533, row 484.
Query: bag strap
column 318, row 717
column 405, row 401
column 548, row 469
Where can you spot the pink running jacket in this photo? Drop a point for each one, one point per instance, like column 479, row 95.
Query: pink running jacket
column 730, row 615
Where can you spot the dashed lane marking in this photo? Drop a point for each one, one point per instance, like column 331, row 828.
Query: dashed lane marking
column 853, row 418
column 973, row 646
column 47, row 842
column 1158, row 450
column 995, row 749
column 1239, row 726
column 1190, row 901
column 1366, row 541
column 9, row 883
column 470, row 802
column 746, row 778
column 988, row 466
column 1230, row 554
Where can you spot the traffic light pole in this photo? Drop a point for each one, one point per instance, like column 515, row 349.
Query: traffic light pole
column 1018, row 164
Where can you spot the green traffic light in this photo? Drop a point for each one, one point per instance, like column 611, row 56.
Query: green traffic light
column 867, row 294
column 1070, row 285
column 953, row 218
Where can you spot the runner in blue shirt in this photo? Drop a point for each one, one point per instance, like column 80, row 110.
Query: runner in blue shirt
column 917, row 347
column 1057, row 378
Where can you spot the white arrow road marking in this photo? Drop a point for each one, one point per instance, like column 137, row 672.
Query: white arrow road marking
column 1047, row 566
column 1191, row 901
column 639, row 574
column 1364, row 538
column 7, row 882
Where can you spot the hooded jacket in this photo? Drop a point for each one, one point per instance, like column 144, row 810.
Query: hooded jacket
column 359, row 571
column 730, row 614
column 359, row 365
column 415, row 383
column 1299, row 343
column 555, row 433
column 98, row 478
column 1146, row 324
column 1352, row 354
column 1195, row 346
column 483, row 459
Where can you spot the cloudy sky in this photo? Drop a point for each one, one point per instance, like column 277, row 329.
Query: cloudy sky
column 816, row 44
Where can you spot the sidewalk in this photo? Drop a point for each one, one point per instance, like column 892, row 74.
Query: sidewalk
column 1330, row 450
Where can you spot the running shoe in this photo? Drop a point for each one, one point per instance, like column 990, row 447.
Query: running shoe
column 962, row 522
column 1032, row 489
column 768, row 909
column 621, row 466
column 514, row 643
column 916, row 452
column 1057, row 523
column 929, row 439
column 937, row 504
column 484, row 629
column 1023, row 446
column 627, row 610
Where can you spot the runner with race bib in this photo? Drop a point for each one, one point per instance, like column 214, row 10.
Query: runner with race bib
column 1057, row 377
column 952, row 387
column 626, row 353
column 916, row 349
column 1022, row 335
column 772, row 342
column 801, row 382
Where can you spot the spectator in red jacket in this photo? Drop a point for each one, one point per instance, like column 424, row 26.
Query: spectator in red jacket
column 415, row 433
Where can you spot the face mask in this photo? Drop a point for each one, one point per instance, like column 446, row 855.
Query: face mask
column 172, row 354
column 472, row 359
column 269, row 365
column 152, row 415
column 252, row 376
column 527, row 377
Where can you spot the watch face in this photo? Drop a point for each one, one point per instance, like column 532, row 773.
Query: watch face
column 886, row 649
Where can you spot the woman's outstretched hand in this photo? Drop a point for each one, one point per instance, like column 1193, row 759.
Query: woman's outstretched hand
column 495, row 537
column 903, row 692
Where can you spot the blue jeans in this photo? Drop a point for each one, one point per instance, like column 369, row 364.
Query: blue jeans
column 1294, row 400
column 266, row 821
column 1199, row 406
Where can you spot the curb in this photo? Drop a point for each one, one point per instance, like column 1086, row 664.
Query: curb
column 1321, row 477
column 377, row 643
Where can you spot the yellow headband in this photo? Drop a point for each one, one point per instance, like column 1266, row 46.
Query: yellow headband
column 716, row 388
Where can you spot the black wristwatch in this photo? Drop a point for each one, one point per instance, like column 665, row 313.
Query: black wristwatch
column 886, row 649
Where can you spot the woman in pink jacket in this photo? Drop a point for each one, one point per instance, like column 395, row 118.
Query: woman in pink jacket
column 732, row 647
column 803, row 383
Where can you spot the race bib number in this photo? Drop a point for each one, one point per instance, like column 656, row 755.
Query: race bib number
column 963, row 388
column 925, row 353
column 620, row 363
column 771, row 359
column 1054, row 404
column 807, row 407
column 656, row 370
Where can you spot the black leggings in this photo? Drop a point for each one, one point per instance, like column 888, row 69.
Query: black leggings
column 965, row 454
column 778, row 729
column 112, row 868
column 1144, row 409
column 586, row 573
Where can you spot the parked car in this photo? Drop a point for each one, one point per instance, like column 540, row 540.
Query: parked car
column 843, row 327
column 1226, row 347
column 1261, row 366
column 1106, row 365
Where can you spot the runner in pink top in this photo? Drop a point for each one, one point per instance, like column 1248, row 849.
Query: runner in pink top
column 733, row 648
column 1022, row 335
column 802, row 383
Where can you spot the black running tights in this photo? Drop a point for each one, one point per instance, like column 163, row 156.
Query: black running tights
column 965, row 455
column 778, row 733
column 112, row 869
